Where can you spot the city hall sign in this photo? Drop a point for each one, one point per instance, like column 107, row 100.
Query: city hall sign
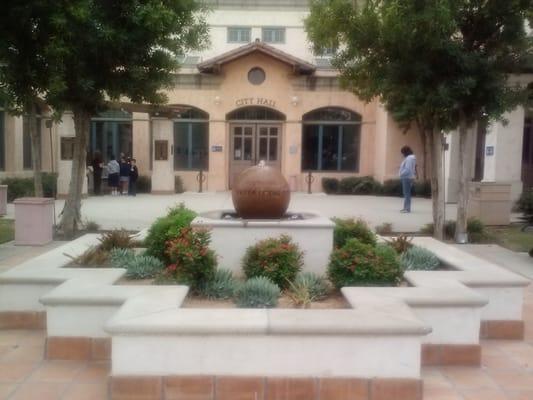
column 255, row 101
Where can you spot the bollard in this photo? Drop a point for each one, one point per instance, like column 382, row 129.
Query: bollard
column 309, row 179
column 201, row 179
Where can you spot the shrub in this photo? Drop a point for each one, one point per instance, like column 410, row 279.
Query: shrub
column 392, row 187
column 308, row 287
column 475, row 228
column 278, row 259
column 530, row 252
column 422, row 189
column 192, row 262
column 358, row 263
column 359, row 185
column 117, row 238
column 119, row 258
column 143, row 267
column 144, row 184
column 23, row 187
column 91, row 226
column 258, row 292
column 330, row 185
column 525, row 206
column 401, row 243
column 350, row 228
column 178, row 184
column 221, row 287
column 167, row 228
column 418, row 258
column 92, row 257
column 384, row 228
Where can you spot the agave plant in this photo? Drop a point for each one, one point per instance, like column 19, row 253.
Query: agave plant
column 418, row 258
column 258, row 292
column 222, row 286
column 120, row 258
column 143, row 267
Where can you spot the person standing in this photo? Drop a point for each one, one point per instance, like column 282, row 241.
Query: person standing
column 113, row 170
column 134, row 174
column 124, row 175
column 407, row 174
column 98, row 166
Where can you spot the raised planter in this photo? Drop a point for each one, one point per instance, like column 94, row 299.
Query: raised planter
column 34, row 221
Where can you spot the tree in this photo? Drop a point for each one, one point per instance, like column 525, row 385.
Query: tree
column 412, row 55
column 24, row 73
column 110, row 49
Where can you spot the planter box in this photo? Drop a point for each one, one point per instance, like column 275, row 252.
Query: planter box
column 34, row 221
column 490, row 202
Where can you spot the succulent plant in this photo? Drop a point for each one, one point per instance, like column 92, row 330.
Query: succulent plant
column 309, row 287
column 121, row 257
column 418, row 258
column 258, row 292
column 143, row 267
column 222, row 286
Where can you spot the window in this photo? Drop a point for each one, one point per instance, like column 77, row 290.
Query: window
column 2, row 142
column 239, row 35
column 191, row 140
column 111, row 135
column 274, row 35
column 256, row 76
column 67, row 148
column 255, row 114
column 27, row 161
column 330, row 140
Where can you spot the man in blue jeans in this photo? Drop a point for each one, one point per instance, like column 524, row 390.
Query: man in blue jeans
column 407, row 176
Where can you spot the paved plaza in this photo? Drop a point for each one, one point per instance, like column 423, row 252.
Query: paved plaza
column 140, row 212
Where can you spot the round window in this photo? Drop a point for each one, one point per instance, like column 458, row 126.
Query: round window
column 256, row 76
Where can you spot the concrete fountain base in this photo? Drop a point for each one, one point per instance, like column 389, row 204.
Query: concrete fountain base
column 230, row 237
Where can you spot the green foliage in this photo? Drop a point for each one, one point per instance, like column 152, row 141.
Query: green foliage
column 384, row 229
column 94, row 256
column 330, row 185
column 117, row 238
column 167, row 228
column 400, row 243
column 278, row 259
column 143, row 267
column 477, row 232
column 359, row 185
column 144, row 184
column 359, row 264
column 91, row 226
column 221, row 287
column 258, row 292
column 192, row 262
column 308, row 287
column 392, row 187
column 530, row 252
column 178, row 184
column 120, row 258
column 350, row 228
column 422, row 189
column 418, row 258
column 525, row 206
column 23, row 187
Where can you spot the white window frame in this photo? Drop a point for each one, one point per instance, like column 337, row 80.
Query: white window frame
column 240, row 36
column 278, row 34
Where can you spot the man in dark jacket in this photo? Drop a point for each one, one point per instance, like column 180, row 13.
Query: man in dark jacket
column 134, row 174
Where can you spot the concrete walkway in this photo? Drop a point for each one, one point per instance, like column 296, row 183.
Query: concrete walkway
column 139, row 212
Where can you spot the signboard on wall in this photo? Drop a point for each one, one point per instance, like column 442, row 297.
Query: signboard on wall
column 161, row 150
column 489, row 150
column 217, row 148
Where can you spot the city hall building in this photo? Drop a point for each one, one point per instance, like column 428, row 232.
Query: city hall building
column 259, row 93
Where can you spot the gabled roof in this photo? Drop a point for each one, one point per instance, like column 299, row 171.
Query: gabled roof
column 299, row 66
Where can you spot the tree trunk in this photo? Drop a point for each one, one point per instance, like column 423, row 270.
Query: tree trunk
column 71, row 214
column 466, row 141
column 425, row 150
column 35, row 150
column 434, row 139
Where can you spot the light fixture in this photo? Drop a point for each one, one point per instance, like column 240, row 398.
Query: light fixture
column 295, row 100
column 217, row 100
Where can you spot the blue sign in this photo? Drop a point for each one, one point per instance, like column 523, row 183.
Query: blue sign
column 489, row 150
column 217, row 148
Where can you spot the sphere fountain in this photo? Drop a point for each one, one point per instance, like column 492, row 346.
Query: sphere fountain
column 261, row 197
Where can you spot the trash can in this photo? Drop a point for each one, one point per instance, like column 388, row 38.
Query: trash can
column 34, row 221
column 490, row 202
column 3, row 199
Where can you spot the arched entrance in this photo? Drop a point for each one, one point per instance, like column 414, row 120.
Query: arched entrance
column 255, row 135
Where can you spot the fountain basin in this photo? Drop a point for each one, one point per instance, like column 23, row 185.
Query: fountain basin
column 231, row 236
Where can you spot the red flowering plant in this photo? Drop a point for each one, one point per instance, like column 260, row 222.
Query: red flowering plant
column 192, row 262
column 360, row 264
column 278, row 259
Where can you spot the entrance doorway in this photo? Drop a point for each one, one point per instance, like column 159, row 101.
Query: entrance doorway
column 251, row 143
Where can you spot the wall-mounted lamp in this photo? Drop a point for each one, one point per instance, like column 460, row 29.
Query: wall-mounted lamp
column 217, row 100
column 295, row 100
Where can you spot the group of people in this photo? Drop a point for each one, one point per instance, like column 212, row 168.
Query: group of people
column 121, row 176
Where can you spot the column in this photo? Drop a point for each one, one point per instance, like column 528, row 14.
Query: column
column 163, row 163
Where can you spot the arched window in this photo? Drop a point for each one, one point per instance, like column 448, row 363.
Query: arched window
column 191, row 140
column 330, row 140
column 255, row 114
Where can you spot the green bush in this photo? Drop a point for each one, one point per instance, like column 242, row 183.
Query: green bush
column 144, row 184
column 360, row 264
column 418, row 258
column 350, row 228
column 119, row 258
column 192, row 262
column 384, row 229
column 143, row 267
column 278, row 259
column 422, row 189
column 221, row 287
column 316, row 287
column 23, row 187
column 392, row 187
column 167, row 228
column 330, row 185
column 359, row 185
column 258, row 292
column 530, row 252
column 477, row 233
column 91, row 226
